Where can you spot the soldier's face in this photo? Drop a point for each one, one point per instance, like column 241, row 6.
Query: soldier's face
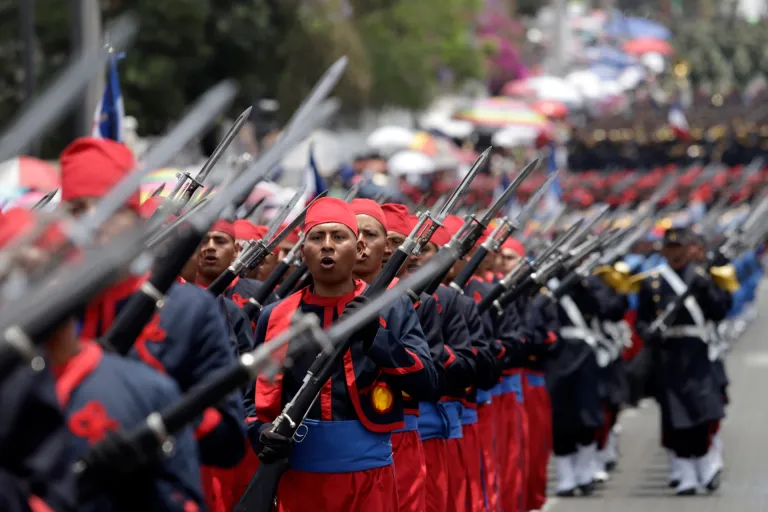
column 265, row 268
column 122, row 220
column 284, row 247
column 395, row 240
column 426, row 254
column 330, row 251
column 217, row 252
column 371, row 234
column 507, row 260
column 676, row 255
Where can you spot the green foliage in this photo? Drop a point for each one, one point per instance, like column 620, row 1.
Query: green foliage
column 273, row 48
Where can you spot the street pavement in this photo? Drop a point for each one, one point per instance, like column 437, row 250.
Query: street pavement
column 640, row 482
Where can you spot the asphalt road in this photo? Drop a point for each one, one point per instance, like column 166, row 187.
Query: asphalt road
column 640, row 482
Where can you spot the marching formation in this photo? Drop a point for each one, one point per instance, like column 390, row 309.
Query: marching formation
column 357, row 356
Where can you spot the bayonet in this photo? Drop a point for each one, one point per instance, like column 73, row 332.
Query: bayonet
column 44, row 200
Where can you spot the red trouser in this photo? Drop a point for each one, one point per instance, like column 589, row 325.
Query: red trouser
column 372, row 490
column 539, row 409
column 410, row 471
column 435, row 454
column 212, row 492
column 486, row 431
column 512, row 461
column 469, row 456
column 457, row 477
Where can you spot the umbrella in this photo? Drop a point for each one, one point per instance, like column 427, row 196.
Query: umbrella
column 550, row 108
column 29, row 173
column 648, row 45
column 632, row 28
column 154, row 179
column 609, row 56
column 410, row 163
column 498, row 111
column 443, row 152
column 388, row 139
column 557, row 89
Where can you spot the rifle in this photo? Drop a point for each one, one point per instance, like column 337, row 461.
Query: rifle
column 525, row 267
column 466, row 238
column 504, row 230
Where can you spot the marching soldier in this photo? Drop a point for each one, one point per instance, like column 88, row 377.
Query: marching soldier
column 101, row 394
column 687, row 386
column 574, row 383
column 438, row 419
column 188, row 339
column 344, row 461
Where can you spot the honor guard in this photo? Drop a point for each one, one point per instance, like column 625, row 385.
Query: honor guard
column 686, row 380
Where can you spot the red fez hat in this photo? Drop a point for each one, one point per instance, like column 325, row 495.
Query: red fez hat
column 293, row 236
column 246, row 230
column 18, row 221
column 396, row 216
column 330, row 209
column 90, row 167
column 150, row 206
column 514, row 244
column 370, row 208
column 485, row 235
column 224, row 226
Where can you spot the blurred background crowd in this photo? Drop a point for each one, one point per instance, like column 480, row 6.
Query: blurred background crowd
column 602, row 89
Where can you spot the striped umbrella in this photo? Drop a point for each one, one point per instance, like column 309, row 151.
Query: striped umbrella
column 154, row 179
column 497, row 112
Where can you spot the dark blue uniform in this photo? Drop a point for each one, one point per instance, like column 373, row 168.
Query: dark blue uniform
column 683, row 369
column 189, row 341
column 35, row 445
column 101, row 393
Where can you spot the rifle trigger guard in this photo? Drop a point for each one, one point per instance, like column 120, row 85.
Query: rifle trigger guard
column 150, row 291
column 301, row 433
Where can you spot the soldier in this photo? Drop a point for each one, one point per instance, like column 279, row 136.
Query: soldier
column 345, row 460
column 573, row 383
column 408, row 452
column 217, row 252
column 101, row 394
column 440, row 420
column 686, row 382
column 188, row 338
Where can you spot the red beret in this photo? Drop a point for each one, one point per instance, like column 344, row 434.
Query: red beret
column 485, row 235
column 515, row 245
column 90, row 167
column 224, row 226
column 150, row 206
column 293, row 236
column 370, row 208
column 246, row 230
column 396, row 216
column 330, row 209
column 18, row 221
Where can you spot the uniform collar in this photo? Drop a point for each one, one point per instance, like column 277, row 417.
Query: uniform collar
column 310, row 297
column 72, row 373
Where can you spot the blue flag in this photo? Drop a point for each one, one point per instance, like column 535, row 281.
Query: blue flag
column 110, row 112
column 315, row 182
